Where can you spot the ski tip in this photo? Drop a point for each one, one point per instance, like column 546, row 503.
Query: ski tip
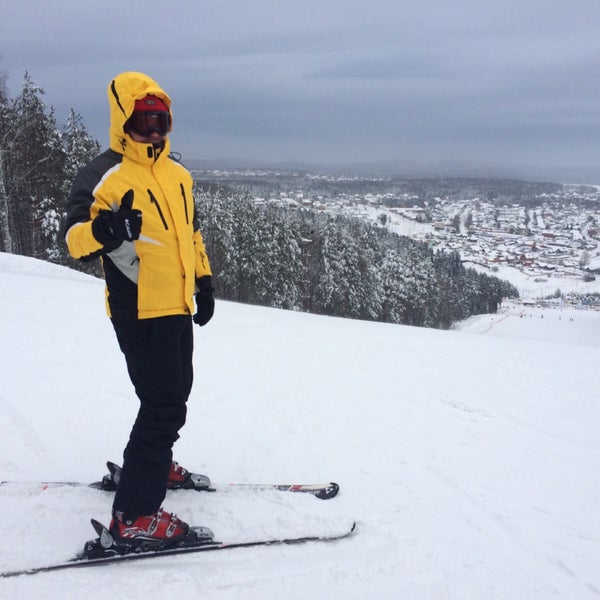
column 328, row 492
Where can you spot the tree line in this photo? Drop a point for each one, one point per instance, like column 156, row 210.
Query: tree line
column 299, row 260
column 335, row 265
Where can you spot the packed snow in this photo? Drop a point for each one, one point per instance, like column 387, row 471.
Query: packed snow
column 469, row 458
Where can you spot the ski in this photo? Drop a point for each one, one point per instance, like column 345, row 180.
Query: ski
column 196, row 482
column 104, row 545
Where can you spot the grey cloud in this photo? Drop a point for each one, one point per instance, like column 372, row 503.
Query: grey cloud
column 342, row 79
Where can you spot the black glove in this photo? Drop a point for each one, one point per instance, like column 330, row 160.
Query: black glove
column 204, row 301
column 111, row 228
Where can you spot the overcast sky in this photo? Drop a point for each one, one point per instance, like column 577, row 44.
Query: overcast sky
column 507, row 82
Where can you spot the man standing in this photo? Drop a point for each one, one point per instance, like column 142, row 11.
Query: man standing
column 133, row 207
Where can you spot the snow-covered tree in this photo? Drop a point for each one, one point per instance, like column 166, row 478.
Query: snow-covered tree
column 79, row 146
column 5, row 236
column 34, row 161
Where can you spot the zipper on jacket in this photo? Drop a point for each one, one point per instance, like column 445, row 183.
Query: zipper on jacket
column 187, row 220
column 160, row 212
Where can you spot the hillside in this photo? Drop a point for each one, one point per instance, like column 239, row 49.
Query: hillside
column 470, row 458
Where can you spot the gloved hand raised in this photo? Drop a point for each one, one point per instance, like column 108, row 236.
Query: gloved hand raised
column 204, row 301
column 111, row 228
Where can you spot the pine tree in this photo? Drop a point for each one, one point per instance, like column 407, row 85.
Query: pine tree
column 80, row 148
column 338, row 285
column 5, row 236
column 281, row 261
column 34, row 161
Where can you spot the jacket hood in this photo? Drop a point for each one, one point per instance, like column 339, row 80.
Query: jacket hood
column 123, row 91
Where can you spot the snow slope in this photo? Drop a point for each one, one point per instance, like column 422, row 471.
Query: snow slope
column 470, row 458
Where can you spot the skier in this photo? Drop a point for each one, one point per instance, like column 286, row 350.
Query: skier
column 133, row 207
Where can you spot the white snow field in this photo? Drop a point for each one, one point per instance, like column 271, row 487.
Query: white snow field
column 469, row 458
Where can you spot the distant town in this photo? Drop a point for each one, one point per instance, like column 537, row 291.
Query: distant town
column 542, row 229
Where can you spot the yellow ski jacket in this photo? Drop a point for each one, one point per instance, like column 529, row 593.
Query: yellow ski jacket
column 155, row 275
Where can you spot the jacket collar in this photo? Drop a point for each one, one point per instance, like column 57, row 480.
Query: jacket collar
column 139, row 152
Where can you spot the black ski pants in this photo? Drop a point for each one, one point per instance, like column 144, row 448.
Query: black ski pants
column 159, row 361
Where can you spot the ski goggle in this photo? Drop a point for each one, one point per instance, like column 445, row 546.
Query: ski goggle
column 145, row 123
